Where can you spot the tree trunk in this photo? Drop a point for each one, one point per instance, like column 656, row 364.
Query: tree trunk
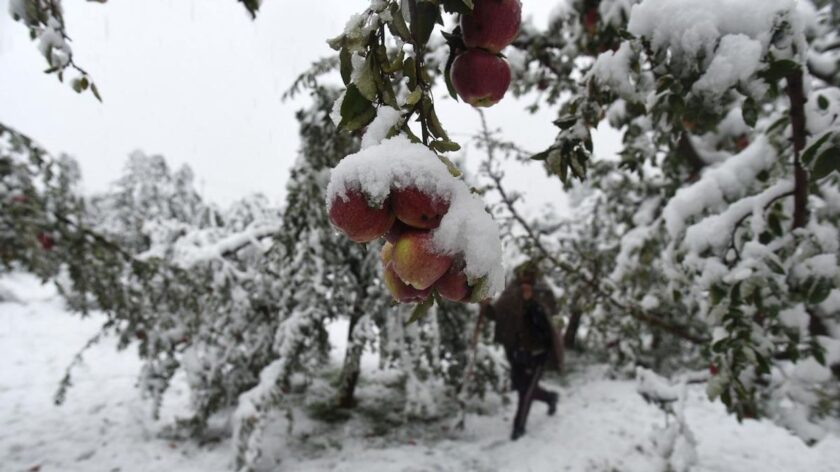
column 570, row 337
column 352, row 366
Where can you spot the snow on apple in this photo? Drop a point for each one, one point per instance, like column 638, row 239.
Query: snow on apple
column 441, row 237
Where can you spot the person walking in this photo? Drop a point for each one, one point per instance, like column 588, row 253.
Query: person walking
column 531, row 342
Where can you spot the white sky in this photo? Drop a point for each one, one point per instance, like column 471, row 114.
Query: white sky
column 200, row 83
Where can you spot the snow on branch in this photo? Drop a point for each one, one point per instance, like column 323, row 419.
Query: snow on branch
column 728, row 181
column 714, row 232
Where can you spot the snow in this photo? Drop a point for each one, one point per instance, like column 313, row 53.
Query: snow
column 377, row 130
column 729, row 180
column 466, row 228
column 692, row 27
column 736, row 59
column 601, row 424
column 715, row 231
column 613, row 70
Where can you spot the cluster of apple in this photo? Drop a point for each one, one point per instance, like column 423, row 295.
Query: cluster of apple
column 412, row 268
column 479, row 75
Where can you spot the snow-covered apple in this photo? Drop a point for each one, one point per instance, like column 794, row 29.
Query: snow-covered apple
column 418, row 208
column 360, row 221
column 453, row 285
column 416, row 262
column 492, row 25
column 480, row 78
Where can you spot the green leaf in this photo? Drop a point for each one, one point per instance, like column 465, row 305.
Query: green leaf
column 445, row 146
column 822, row 102
column 345, row 60
column 414, row 96
column 428, row 14
column 420, row 310
column 479, row 290
column 432, row 120
column 95, row 92
column 827, row 162
column 366, row 81
column 356, row 110
column 463, row 7
column 450, row 166
column 809, row 153
column 780, row 123
column 819, row 291
column 541, row 156
column 410, row 71
column 749, row 110
column 779, row 70
column 397, row 25
column 447, row 74
column 565, row 122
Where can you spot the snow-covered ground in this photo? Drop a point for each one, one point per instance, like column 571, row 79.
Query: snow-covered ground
column 601, row 424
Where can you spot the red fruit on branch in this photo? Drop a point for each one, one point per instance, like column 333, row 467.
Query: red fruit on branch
column 417, row 208
column 590, row 21
column 357, row 219
column 493, row 24
column 46, row 241
column 386, row 254
column 480, row 78
column 453, row 285
column 416, row 262
column 401, row 291
column 397, row 229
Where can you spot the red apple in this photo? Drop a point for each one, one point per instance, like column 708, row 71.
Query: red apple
column 397, row 229
column 416, row 261
column 453, row 285
column 401, row 291
column 357, row 219
column 386, row 253
column 47, row 242
column 590, row 21
column 480, row 78
column 417, row 208
column 492, row 25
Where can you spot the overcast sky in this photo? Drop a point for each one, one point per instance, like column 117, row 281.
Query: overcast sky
column 200, row 82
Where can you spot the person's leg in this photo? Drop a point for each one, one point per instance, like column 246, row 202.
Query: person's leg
column 520, row 381
column 526, row 398
column 546, row 396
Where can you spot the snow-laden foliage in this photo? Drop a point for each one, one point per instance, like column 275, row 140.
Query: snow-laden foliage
column 721, row 211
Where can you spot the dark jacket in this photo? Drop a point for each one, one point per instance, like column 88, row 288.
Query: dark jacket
column 515, row 327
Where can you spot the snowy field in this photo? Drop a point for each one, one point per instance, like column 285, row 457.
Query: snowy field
column 601, row 424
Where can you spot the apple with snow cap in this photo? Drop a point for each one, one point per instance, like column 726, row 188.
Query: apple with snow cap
column 418, row 208
column 416, row 262
column 480, row 78
column 492, row 25
column 402, row 292
column 360, row 221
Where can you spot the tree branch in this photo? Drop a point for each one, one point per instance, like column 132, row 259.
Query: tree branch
column 796, row 94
